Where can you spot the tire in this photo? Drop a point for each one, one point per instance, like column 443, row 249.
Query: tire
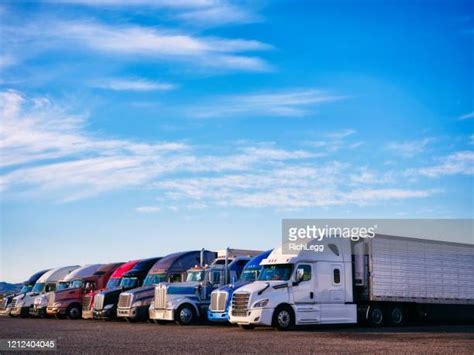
column 397, row 316
column 246, row 326
column 185, row 315
column 74, row 311
column 376, row 316
column 283, row 318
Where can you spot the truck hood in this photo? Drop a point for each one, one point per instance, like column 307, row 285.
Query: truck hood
column 262, row 286
column 139, row 290
column 183, row 288
column 67, row 293
column 232, row 287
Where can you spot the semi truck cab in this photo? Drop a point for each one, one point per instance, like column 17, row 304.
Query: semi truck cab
column 113, row 282
column 134, row 304
column 220, row 298
column 186, row 302
column 66, row 301
column 106, row 301
column 307, row 288
column 10, row 303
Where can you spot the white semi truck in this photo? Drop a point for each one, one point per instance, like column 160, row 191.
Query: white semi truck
column 381, row 280
column 24, row 303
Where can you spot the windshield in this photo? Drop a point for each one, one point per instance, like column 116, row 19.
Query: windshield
column 276, row 272
column 50, row 287
column 249, row 275
column 114, row 282
column 62, row 285
column 129, row 282
column 38, row 288
column 154, row 279
column 195, row 276
column 76, row 283
column 26, row 288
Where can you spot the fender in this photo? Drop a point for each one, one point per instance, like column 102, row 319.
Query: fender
column 187, row 300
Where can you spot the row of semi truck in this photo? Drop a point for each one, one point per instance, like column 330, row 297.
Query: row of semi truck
column 383, row 280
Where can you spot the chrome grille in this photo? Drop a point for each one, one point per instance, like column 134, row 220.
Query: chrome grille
column 86, row 303
column 218, row 300
column 3, row 305
column 14, row 301
column 99, row 302
column 240, row 302
column 125, row 300
column 160, row 297
column 51, row 298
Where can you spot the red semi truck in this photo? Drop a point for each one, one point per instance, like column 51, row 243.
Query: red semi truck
column 67, row 302
column 114, row 282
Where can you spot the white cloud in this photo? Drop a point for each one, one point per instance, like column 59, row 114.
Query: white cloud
column 409, row 148
column 459, row 163
column 295, row 102
column 148, row 209
column 466, row 116
column 48, row 153
column 335, row 141
column 132, row 41
column 132, row 85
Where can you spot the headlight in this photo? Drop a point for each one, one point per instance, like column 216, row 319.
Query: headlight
column 108, row 306
column 57, row 304
column 261, row 303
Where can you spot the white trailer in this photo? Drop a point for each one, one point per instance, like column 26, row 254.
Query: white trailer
column 384, row 279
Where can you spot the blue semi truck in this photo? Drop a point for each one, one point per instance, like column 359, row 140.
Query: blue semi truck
column 221, row 298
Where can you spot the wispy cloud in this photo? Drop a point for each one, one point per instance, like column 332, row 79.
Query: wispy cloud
column 332, row 142
column 48, row 153
column 207, row 12
column 290, row 103
column 409, row 148
column 133, row 42
column 466, row 116
column 459, row 163
column 132, row 85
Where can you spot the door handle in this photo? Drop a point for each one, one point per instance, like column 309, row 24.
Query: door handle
column 311, row 295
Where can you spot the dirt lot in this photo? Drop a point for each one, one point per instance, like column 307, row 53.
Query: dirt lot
column 88, row 336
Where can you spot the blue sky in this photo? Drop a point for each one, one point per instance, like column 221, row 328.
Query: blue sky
column 134, row 129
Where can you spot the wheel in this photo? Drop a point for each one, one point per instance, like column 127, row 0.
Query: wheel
column 246, row 326
column 376, row 317
column 74, row 312
column 397, row 315
column 185, row 315
column 283, row 318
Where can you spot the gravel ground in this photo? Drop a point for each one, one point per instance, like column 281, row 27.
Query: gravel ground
column 89, row 336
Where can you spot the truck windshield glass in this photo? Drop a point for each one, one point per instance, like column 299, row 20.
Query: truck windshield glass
column 76, row 284
column 276, row 272
column 26, row 288
column 249, row 275
column 113, row 282
column 62, row 285
column 129, row 282
column 195, row 276
column 38, row 288
column 154, row 279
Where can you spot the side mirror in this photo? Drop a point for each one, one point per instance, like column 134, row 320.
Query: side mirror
column 299, row 276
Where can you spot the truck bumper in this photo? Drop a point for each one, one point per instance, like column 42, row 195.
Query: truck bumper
column 110, row 313
column 134, row 313
column 161, row 314
column 218, row 316
column 5, row 312
column 38, row 312
column 87, row 314
column 257, row 316
column 20, row 312
column 55, row 311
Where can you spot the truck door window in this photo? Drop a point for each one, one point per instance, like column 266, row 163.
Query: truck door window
column 336, row 276
column 175, row 278
column 306, row 272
